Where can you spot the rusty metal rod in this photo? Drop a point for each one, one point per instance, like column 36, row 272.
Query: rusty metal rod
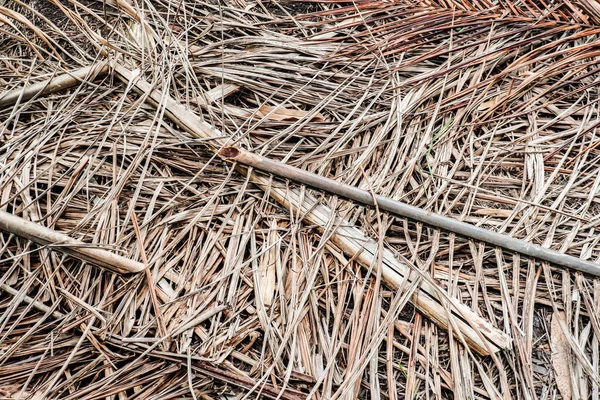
column 404, row 210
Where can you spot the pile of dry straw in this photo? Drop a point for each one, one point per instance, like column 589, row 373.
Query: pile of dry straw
column 483, row 111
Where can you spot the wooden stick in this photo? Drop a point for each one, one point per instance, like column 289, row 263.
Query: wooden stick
column 30, row 300
column 236, row 154
column 430, row 299
column 59, row 241
column 60, row 82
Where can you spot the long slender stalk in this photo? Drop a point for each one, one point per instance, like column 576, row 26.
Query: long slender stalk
column 59, row 241
column 59, row 82
column 407, row 211
column 38, row 305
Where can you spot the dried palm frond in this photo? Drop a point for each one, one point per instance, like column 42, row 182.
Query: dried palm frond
column 485, row 111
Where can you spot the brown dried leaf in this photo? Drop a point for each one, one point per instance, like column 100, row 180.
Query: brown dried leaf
column 265, row 279
column 286, row 114
column 560, row 356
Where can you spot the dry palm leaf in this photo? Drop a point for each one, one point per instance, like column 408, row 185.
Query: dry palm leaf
column 482, row 111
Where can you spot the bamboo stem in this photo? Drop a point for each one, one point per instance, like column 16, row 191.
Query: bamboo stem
column 59, row 241
column 430, row 299
column 407, row 211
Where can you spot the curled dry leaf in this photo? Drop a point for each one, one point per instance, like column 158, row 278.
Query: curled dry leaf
column 141, row 35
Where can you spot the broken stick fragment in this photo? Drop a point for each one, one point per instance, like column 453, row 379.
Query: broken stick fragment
column 430, row 298
column 59, row 82
column 59, row 241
